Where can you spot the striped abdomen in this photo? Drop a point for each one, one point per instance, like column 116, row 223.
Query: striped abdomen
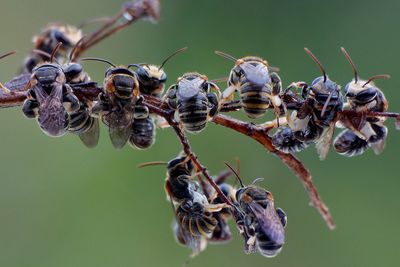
column 143, row 133
column 254, row 98
column 265, row 245
column 195, row 219
column 193, row 113
column 80, row 121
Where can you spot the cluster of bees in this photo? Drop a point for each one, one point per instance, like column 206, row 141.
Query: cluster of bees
column 305, row 114
column 201, row 216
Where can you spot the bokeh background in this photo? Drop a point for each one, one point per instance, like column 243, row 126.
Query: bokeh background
column 64, row 205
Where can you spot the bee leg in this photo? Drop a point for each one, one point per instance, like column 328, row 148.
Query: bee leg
column 30, row 108
column 4, row 89
column 227, row 94
column 170, row 97
column 279, row 121
column 377, row 141
column 213, row 100
column 282, row 216
column 70, row 101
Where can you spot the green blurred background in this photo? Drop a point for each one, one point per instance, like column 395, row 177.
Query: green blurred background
column 64, row 205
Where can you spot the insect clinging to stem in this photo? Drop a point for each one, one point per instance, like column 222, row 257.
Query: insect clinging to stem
column 362, row 96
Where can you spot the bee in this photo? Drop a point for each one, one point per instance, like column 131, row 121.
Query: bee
column 314, row 121
column 221, row 233
column 258, row 87
column 80, row 121
column 195, row 222
column 193, row 102
column 143, row 129
column 257, row 219
column 48, row 39
column 69, row 35
column 50, row 98
column 116, row 104
column 362, row 96
column 152, row 78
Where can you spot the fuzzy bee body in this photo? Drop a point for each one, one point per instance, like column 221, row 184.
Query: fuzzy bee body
column 314, row 122
column 362, row 97
column 116, row 104
column 262, row 223
column 48, row 39
column 193, row 217
column 258, row 88
column 143, row 133
column 193, row 102
column 50, row 99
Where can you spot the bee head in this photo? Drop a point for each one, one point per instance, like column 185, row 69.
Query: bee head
column 360, row 91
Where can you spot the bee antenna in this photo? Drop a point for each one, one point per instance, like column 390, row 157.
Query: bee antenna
column 326, row 104
column 225, row 55
column 260, row 179
column 72, row 54
column 92, row 21
column 235, row 173
column 8, row 54
column 45, row 54
column 98, row 59
column 53, row 54
column 375, row 77
column 171, row 56
column 152, row 163
column 355, row 72
column 316, row 61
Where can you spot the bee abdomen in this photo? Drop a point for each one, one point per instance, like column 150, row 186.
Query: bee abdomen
column 198, row 223
column 254, row 100
column 285, row 141
column 349, row 144
column 80, row 121
column 193, row 115
column 143, row 133
column 266, row 246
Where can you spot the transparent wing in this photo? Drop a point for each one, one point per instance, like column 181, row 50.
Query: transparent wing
column 119, row 136
column 269, row 222
column 91, row 137
column 188, row 89
column 257, row 74
column 324, row 142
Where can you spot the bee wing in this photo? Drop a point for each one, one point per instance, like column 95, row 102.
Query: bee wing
column 323, row 144
column 52, row 115
column 257, row 74
column 119, row 136
column 188, row 89
column 269, row 222
column 91, row 137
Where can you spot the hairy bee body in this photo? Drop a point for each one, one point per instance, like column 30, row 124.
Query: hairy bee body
column 363, row 132
column 193, row 217
column 50, row 99
column 259, row 221
column 254, row 99
column 193, row 102
column 143, row 133
column 193, row 113
column 116, row 104
column 258, row 88
column 48, row 39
